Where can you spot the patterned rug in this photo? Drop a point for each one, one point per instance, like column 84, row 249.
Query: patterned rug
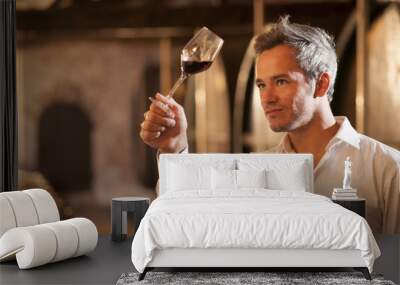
column 242, row 278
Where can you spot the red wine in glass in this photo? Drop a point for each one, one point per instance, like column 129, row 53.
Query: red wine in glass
column 197, row 55
column 192, row 67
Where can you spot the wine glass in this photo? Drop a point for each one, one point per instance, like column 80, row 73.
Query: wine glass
column 198, row 55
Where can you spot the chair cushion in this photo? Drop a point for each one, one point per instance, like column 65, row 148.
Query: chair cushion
column 7, row 220
column 45, row 205
column 26, row 208
column 23, row 208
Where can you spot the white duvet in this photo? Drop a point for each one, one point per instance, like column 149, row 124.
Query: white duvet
column 250, row 218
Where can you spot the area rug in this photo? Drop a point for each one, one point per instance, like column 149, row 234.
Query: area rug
column 243, row 278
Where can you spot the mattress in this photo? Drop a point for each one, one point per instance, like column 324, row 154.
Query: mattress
column 250, row 219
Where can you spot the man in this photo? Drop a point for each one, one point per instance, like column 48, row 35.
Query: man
column 295, row 72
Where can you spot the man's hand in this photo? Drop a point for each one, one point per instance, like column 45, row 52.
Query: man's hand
column 164, row 126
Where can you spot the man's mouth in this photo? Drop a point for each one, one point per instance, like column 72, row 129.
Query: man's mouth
column 273, row 111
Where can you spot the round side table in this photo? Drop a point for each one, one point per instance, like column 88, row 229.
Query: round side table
column 119, row 214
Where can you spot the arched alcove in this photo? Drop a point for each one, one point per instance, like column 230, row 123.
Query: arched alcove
column 64, row 154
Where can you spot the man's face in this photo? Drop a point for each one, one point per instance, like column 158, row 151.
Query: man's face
column 286, row 95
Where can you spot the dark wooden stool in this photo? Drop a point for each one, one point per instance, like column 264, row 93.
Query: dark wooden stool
column 119, row 214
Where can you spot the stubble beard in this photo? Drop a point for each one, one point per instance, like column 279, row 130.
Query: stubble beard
column 298, row 119
column 290, row 126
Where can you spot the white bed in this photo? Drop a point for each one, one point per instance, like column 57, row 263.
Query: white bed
column 247, row 210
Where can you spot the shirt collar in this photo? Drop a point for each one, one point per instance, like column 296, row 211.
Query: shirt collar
column 285, row 145
column 346, row 133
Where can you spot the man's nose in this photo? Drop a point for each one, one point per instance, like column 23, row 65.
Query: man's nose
column 268, row 95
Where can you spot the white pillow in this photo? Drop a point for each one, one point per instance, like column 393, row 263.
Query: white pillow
column 282, row 174
column 223, row 179
column 251, row 178
column 293, row 180
column 236, row 179
column 188, row 177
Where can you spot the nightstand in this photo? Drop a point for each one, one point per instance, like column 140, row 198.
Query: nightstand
column 119, row 210
column 357, row 205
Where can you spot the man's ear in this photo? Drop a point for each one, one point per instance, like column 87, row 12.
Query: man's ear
column 322, row 85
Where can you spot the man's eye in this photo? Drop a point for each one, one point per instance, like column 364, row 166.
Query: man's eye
column 261, row 86
column 281, row 82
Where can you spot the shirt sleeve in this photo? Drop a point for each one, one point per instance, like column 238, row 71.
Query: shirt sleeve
column 185, row 150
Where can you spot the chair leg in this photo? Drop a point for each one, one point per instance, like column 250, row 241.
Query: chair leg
column 364, row 271
column 143, row 274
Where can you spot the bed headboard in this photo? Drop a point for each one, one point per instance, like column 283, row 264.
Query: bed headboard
column 282, row 163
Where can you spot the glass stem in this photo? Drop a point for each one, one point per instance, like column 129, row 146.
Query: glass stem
column 177, row 84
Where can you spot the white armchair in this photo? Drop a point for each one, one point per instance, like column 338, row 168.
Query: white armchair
column 31, row 230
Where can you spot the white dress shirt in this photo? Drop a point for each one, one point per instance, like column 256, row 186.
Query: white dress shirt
column 375, row 174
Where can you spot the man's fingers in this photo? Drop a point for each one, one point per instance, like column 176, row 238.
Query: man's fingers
column 156, row 119
column 161, row 108
column 149, row 126
column 148, row 136
column 167, row 100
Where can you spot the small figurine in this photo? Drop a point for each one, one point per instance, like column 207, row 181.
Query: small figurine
column 347, row 174
column 346, row 192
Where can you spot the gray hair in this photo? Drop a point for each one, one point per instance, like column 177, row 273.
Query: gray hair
column 315, row 48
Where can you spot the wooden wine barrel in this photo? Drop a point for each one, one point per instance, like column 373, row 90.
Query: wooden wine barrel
column 382, row 98
column 207, row 110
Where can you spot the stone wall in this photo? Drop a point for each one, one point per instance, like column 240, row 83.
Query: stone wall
column 103, row 78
